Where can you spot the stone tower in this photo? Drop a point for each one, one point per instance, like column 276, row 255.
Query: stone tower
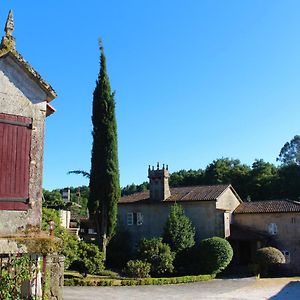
column 159, row 183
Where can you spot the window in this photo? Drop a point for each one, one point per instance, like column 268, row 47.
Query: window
column 129, row 219
column 15, row 139
column 92, row 231
column 272, row 229
column 134, row 218
column 287, row 256
column 139, row 219
column 82, row 230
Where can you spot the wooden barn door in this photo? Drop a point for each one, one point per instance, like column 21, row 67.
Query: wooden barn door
column 15, row 138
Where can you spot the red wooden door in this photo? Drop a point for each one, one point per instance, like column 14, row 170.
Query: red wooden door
column 15, row 138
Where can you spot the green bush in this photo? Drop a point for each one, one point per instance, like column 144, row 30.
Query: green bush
column 137, row 269
column 179, row 231
column 70, row 243
column 267, row 257
column 158, row 254
column 214, row 255
column 128, row 282
column 119, row 249
column 12, row 275
column 90, row 259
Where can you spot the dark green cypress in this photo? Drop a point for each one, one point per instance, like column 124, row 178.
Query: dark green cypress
column 104, row 175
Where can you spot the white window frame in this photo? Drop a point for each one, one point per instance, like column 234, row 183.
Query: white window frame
column 91, row 231
column 272, row 228
column 139, row 219
column 130, row 219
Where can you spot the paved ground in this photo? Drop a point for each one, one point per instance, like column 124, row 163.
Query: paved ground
column 225, row 289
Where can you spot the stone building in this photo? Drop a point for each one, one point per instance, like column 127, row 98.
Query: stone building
column 24, row 105
column 273, row 223
column 25, row 102
column 215, row 210
column 209, row 207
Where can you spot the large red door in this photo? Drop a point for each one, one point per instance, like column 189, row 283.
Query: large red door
column 15, row 138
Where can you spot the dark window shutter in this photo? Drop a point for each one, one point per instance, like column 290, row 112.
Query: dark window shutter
column 15, row 139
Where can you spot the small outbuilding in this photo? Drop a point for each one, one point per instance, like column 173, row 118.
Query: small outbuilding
column 24, row 104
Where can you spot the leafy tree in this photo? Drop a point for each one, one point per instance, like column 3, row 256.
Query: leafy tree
column 52, row 198
column 225, row 170
column 288, row 183
column 69, row 242
column 104, row 175
column 187, row 178
column 79, row 255
column 133, row 188
column 79, row 200
column 290, row 152
column 80, row 172
column 214, row 255
column 179, row 231
column 262, row 181
column 158, row 254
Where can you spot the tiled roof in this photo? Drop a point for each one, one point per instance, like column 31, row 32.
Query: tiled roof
column 180, row 194
column 270, row 206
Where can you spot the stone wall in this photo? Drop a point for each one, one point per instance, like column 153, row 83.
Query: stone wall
column 55, row 268
column 207, row 220
column 285, row 239
column 22, row 96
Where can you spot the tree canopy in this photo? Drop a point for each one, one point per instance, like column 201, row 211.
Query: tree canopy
column 290, row 152
column 179, row 231
column 104, row 175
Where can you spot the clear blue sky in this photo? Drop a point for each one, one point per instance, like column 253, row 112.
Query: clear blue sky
column 194, row 80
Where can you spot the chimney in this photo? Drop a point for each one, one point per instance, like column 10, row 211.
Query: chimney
column 159, row 183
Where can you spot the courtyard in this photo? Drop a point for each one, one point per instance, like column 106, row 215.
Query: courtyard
column 225, row 289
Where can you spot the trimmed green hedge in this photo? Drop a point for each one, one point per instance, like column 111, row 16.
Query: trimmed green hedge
column 166, row 280
column 142, row 281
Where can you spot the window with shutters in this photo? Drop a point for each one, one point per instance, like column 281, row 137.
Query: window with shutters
column 15, row 139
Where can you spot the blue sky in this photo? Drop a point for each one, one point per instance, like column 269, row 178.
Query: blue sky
column 194, row 80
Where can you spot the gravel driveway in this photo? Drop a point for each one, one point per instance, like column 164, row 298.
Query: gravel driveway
column 238, row 289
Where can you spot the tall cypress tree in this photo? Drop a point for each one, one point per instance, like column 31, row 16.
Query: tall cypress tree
column 104, row 175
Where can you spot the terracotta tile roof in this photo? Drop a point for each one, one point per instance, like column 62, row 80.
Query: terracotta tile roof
column 270, row 206
column 180, row 194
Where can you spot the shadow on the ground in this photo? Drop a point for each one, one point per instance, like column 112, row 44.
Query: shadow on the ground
column 289, row 292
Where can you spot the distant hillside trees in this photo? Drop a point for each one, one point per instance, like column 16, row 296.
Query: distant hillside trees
column 290, row 152
column 260, row 181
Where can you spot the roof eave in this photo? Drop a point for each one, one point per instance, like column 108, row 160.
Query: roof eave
column 44, row 85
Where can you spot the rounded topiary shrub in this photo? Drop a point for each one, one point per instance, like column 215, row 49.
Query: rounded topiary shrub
column 158, row 254
column 214, row 255
column 137, row 269
column 267, row 257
